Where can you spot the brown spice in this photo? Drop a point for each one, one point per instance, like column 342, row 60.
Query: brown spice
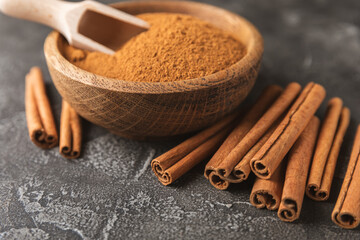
column 346, row 212
column 267, row 192
column 242, row 170
column 281, row 104
column 251, row 117
column 335, row 150
column 296, row 172
column 252, row 142
column 176, row 47
column 196, row 156
column 40, row 120
column 70, row 132
column 269, row 157
column 160, row 164
column 327, row 150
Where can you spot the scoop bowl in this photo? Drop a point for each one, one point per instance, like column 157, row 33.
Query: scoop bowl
column 144, row 110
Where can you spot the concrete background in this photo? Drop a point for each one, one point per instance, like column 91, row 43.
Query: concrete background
column 111, row 192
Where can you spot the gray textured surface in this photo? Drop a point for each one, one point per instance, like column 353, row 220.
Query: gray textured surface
column 111, row 192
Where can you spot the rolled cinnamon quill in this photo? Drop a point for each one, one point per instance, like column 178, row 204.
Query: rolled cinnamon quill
column 269, row 157
column 199, row 154
column 281, row 104
column 297, row 171
column 166, row 160
column 40, row 120
column 346, row 213
column 70, row 132
column 267, row 97
column 242, row 170
column 327, row 150
column 267, row 192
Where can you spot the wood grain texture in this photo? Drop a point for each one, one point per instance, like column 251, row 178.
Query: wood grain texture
column 143, row 109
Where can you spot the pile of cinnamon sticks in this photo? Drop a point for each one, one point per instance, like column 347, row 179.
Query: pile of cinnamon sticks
column 279, row 139
column 41, row 123
column 283, row 143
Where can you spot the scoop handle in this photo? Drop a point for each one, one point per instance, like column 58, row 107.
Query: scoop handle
column 47, row 12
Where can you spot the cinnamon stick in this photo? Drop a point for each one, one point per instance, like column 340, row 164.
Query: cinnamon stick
column 40, row 120
column 327, row 150
column 217, row 181
column 267, row 97
column 346, row 212
column 70, row 132
column 172, row 156
column 242, row 170
column 281, row 104
column 200, row 153
column 267, row 192
column 296, row 172
column 269, row 157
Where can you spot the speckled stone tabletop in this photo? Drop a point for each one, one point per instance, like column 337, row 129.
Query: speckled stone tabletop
column 111, row 193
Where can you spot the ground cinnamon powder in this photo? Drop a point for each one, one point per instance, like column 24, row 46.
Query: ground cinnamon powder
column 176, row 47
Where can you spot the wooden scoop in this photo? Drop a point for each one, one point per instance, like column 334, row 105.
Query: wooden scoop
column 88, row 25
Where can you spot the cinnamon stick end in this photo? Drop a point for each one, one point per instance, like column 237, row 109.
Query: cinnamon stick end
column 156, row 168
column 262, row 199
column 165, row 179
column 259, row 169
column 288, row 210
column 315, row 193
column 240, row 175
column 163, row 176
column 217, row 182
column 207, row 172
column 345, row 220
column 42, row 140
column 66, row 152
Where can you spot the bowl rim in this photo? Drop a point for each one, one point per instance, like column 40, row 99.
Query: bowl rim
column 249, row 60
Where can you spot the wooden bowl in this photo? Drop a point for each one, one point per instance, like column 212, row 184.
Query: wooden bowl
column 152, row 109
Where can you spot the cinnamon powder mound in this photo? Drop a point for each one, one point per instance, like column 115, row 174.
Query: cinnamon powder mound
column 176, row 47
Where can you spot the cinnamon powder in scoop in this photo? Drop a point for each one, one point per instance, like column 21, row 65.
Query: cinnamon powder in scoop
column 176, row 47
